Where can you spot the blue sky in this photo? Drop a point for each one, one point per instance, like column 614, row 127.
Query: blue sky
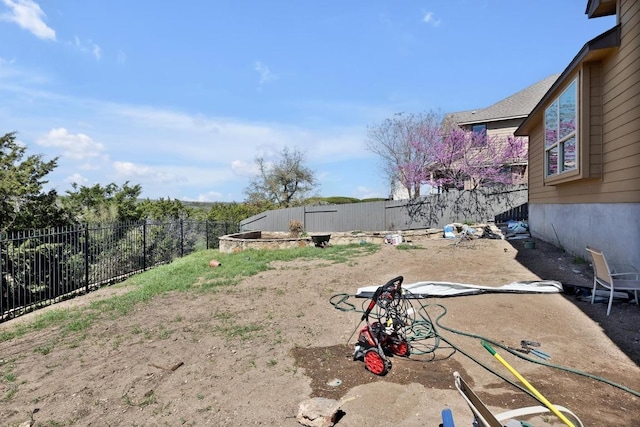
column 181, row 97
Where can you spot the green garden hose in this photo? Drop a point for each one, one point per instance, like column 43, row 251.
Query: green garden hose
column 421, row 329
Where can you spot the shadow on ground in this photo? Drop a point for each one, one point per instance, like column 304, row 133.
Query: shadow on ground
column 549, row 262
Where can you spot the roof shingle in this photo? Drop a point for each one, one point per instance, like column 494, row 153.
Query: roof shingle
column 518, row 105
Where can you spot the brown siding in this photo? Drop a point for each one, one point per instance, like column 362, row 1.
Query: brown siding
column 621, row 111
column 613, row 132
column 503, row 128
column 592, row 159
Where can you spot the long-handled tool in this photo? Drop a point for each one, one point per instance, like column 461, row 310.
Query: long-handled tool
column 531, row 388
column 528, row 346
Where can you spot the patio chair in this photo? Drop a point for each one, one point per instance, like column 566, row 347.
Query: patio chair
column 614, row 277
column 485, row 418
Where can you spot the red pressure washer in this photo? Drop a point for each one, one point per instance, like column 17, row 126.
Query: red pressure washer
column 384, row 335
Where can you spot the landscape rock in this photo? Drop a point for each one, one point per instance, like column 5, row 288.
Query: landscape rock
column 318, row 412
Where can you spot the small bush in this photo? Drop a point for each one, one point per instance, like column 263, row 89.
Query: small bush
column 296, row 228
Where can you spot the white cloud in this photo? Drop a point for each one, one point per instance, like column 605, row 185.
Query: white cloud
column 211, row 196
column 172, row 180
column 87, row 46
column 77, row 178
column 129, row 170
column 97, row 52
column 14, row 78
column 29, row 16
column 226, row 140
column 367, row 193
column 170, row 152
column 244, row 168
column 429, row 19
column 265, row 73
column 74, row 146
column 122, row 57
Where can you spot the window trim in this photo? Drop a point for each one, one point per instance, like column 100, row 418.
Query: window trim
column 480, row 129
column 561, row 140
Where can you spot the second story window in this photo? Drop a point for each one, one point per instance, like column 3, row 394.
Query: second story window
column 479, row 132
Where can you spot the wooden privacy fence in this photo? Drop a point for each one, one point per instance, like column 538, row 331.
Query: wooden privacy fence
column 432, row 211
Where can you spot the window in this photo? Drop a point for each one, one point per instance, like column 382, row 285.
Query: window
column 561, row 132
column 479, row 132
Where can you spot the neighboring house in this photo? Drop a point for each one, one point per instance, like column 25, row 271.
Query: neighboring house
column 584, row 144
column 499, row 120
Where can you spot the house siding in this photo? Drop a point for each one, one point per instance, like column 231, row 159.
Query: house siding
column 601, row 207
column 594, row 126
column 503, row 129
column 612, row 138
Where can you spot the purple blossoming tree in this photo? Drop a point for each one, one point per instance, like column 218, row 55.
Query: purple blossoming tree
column 424, row 149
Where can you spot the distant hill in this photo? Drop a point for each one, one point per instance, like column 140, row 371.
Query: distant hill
column 334, row 200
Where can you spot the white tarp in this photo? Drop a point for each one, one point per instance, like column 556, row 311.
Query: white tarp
column 450, row 289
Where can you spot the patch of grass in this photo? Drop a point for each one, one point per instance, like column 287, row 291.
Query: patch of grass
column 116, row 342
column 149, row 399
column 580, row 261
column 406, row 247
column 164, row 333
column 79, row 338
column 9, row 377
column 278, row 338
column 230, row 329
column 43, row 349
column 80, row 321
column 190, row 273
column 10, row 393
column 127, row 400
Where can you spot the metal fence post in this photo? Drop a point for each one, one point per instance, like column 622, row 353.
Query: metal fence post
column 102, row 264
column 2, row 307
column 181, row 237
column 144, row 245
column 86, row 257
column 206, row 233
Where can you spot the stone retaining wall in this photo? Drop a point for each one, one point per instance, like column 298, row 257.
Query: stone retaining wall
column 280, row 240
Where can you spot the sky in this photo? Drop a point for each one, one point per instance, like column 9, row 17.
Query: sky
column 182, row 97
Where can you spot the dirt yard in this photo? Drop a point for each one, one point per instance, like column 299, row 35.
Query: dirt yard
column 249, row 355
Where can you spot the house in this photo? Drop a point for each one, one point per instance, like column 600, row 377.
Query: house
column 584, row 144
column 499, row 120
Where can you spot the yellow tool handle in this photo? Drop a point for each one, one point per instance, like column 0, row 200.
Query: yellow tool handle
column 526, row 383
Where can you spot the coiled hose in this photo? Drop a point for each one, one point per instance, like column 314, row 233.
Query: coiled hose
column 424, row 338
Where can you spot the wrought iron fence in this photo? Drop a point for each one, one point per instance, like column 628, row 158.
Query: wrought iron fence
column 41, row 267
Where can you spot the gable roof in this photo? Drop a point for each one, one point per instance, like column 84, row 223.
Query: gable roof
column 594, row 49
column 516, row 106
